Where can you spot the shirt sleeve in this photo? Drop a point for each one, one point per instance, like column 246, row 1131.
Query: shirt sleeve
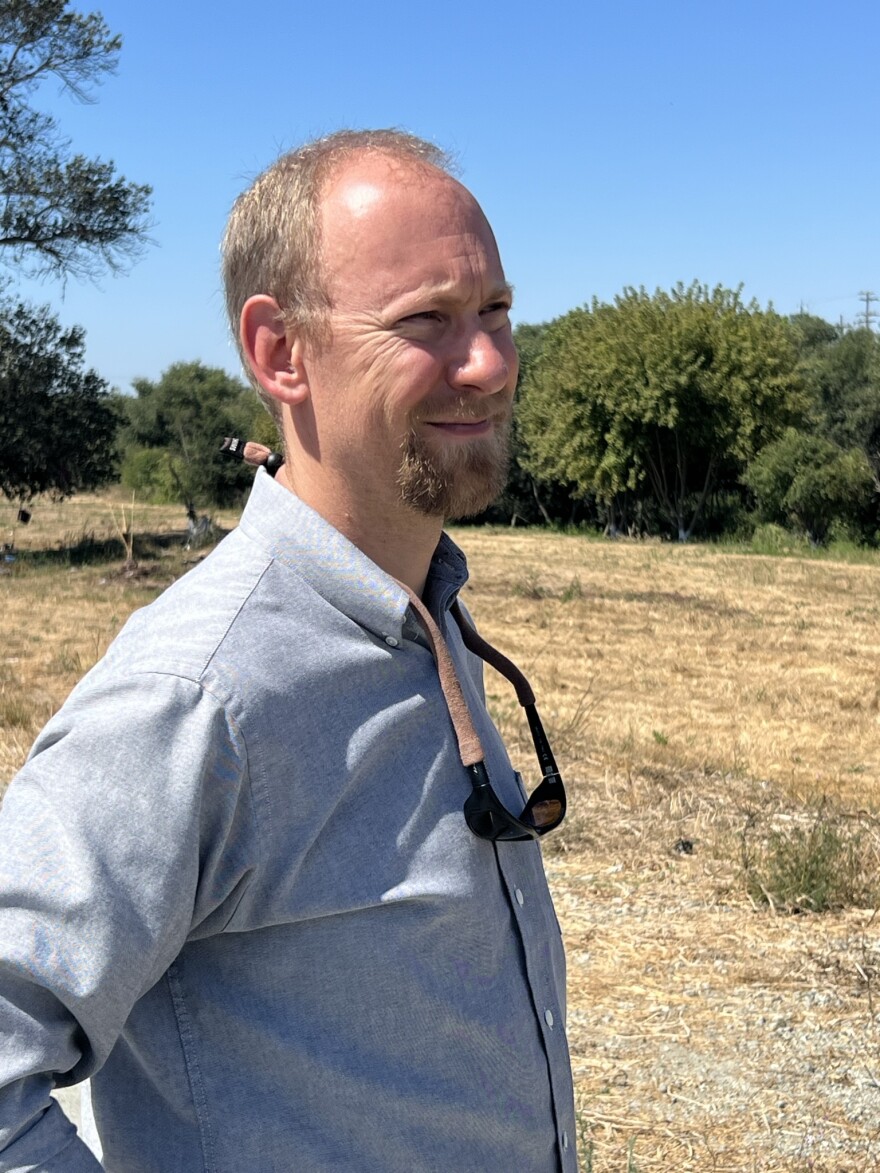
column 113, row 850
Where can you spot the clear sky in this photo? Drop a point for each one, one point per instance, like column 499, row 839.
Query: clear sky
column 612, row 143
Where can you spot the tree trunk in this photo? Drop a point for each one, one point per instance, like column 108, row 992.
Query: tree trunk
column 540, row 503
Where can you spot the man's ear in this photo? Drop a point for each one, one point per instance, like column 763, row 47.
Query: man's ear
column 275, row 359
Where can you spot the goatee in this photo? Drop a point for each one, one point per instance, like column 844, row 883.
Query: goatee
column 460, row 482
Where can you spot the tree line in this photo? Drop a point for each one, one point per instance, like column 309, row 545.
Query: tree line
column 61, row 215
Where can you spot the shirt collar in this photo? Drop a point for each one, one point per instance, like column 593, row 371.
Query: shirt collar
column 295, row 536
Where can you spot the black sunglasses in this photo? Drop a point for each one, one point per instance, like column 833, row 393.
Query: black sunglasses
column 484, row 813
column 487, row 816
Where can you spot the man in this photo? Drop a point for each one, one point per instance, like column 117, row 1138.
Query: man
column 237, row 885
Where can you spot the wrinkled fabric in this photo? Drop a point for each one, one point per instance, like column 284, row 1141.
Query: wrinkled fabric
column 237, row 891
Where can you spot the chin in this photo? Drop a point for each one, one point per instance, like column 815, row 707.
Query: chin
column 453, row 484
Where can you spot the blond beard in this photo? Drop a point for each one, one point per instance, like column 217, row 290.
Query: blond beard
column 457, row 484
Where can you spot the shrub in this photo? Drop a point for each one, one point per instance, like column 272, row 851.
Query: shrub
column 825, row 864
column 774, row 539
column 149, row 473
column 810, row 483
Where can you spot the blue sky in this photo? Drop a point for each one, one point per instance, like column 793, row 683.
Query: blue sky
column 631, row 142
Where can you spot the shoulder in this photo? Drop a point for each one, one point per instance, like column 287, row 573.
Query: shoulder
column 180, row 633
column 241, row 628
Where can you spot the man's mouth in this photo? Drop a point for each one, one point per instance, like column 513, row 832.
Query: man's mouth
column 460, row 427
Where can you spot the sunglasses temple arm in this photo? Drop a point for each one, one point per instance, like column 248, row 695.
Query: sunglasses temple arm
column 479, row 776
column 542, row 745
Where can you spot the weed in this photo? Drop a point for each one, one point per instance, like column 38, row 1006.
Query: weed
column 529, row 585
column 569, row 737
column 631, row 1166
column 826, row 864
column 586, row 1157
column 66, row 661
column 574, row 590
column 124, row 527
column 16, row 713
column 660, row 737
column 586, row 1148
column 773, row 539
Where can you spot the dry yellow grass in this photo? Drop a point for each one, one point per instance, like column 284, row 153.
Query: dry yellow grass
column 668, row 658
column 686, row 689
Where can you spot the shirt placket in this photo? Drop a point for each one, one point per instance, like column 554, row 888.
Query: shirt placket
column 526, row 891
column 521, row 874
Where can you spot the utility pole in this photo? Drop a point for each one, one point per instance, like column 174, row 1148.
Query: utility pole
column 867, row 297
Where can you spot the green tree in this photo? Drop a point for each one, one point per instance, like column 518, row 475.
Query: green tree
column 812, row 334
column 665, row 396
column 526, row 497
column 808, row 482
column 173, row 432
column 60, row 213
column 57, row 420
column 844, row 380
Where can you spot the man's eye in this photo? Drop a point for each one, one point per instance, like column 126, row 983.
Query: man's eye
column 498, row 310
column 424, row 316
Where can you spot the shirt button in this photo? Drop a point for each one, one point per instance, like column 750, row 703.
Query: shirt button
column 548, row 1018
column 519, row 896
column 565, row 1140
column 391, row 641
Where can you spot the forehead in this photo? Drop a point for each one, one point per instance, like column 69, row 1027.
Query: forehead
column 389, row 227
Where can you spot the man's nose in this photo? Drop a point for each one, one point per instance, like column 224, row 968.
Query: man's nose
column 483, row 362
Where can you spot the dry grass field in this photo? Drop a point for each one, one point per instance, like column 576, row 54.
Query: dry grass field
column 715, row 715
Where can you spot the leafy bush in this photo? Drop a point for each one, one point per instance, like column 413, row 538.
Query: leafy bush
column 149, row 473
column 810, row 483
column 774, row 539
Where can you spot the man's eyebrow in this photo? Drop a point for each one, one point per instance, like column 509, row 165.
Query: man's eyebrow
column 502, row 293
column 443, row 294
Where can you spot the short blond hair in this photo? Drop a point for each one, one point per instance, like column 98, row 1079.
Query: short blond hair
column 272, row 243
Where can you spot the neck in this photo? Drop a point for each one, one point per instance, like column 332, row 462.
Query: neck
column 398, row 539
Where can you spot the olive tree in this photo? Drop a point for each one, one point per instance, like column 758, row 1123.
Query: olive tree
column 58, row 422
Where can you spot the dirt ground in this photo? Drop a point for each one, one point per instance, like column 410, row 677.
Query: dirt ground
column 696, row 696
column 706, row 1035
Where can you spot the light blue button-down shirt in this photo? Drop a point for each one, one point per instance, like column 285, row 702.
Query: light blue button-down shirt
column 238, row 892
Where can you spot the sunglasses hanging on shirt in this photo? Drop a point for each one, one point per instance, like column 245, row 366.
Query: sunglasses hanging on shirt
column 484, row 812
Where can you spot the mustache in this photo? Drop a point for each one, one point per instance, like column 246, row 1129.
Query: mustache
column 464, row 410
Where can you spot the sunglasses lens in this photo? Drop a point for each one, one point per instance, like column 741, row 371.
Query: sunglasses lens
column 488, row 824
column 543, row 813
column 487, row 818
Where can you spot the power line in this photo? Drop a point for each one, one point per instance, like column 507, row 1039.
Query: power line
column 869, row 315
